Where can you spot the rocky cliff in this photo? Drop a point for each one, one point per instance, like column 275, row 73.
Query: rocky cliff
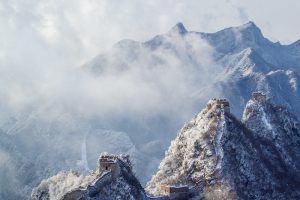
column 226, row 158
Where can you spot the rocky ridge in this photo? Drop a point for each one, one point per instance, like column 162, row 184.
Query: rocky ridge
column 254, row 159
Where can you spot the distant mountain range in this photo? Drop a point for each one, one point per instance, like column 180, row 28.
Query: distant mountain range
column 171, row 77
column 241, row 59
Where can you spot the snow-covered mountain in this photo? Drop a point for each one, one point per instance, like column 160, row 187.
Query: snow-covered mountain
column 240, row 58
column 168, row 79
column 227, row 159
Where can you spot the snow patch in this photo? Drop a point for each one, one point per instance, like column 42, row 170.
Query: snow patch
column 219, row 135
column 264, row 119
column 292, row 79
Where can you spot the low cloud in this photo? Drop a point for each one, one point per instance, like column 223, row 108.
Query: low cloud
column 160, row 81
column 43, row 44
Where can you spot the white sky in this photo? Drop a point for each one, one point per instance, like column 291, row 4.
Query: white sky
column 42, row 41
column 73, row 31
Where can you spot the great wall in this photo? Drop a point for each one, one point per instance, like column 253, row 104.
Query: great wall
column 110, row 168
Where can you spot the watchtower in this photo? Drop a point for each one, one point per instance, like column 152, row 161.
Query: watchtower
column 109, row 163
column 172, row 191
column 219, row 103
column 259, row 97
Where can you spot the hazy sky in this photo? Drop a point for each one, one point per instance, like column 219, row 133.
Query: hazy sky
column 73, row 31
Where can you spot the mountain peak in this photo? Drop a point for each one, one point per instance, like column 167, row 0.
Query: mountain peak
column 250, row 27
column 250, row 24
column 178, row 28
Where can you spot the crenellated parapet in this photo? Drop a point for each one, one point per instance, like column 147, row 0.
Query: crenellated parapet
column 259, row 97
column 219, row 104
column 107, row 163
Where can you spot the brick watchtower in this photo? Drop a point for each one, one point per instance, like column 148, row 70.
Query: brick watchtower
column 108, row 163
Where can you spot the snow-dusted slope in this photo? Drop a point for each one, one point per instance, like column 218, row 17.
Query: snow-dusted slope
column 196, row 153
column 224, row 158
column 276, row 125
column 236, row 39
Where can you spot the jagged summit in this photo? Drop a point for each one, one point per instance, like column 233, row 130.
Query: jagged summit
column 178, row 29
column 236, row 39
column 249, row 25
column 249, row 57
column 251, row 28
column 247, row 28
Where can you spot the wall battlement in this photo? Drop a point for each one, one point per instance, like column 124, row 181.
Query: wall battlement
column 259, row 96
column 109, row 163
column 219, row 103
column 171, row 190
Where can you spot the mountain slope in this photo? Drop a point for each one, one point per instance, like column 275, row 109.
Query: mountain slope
column 277, row 126
column 216, row 151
